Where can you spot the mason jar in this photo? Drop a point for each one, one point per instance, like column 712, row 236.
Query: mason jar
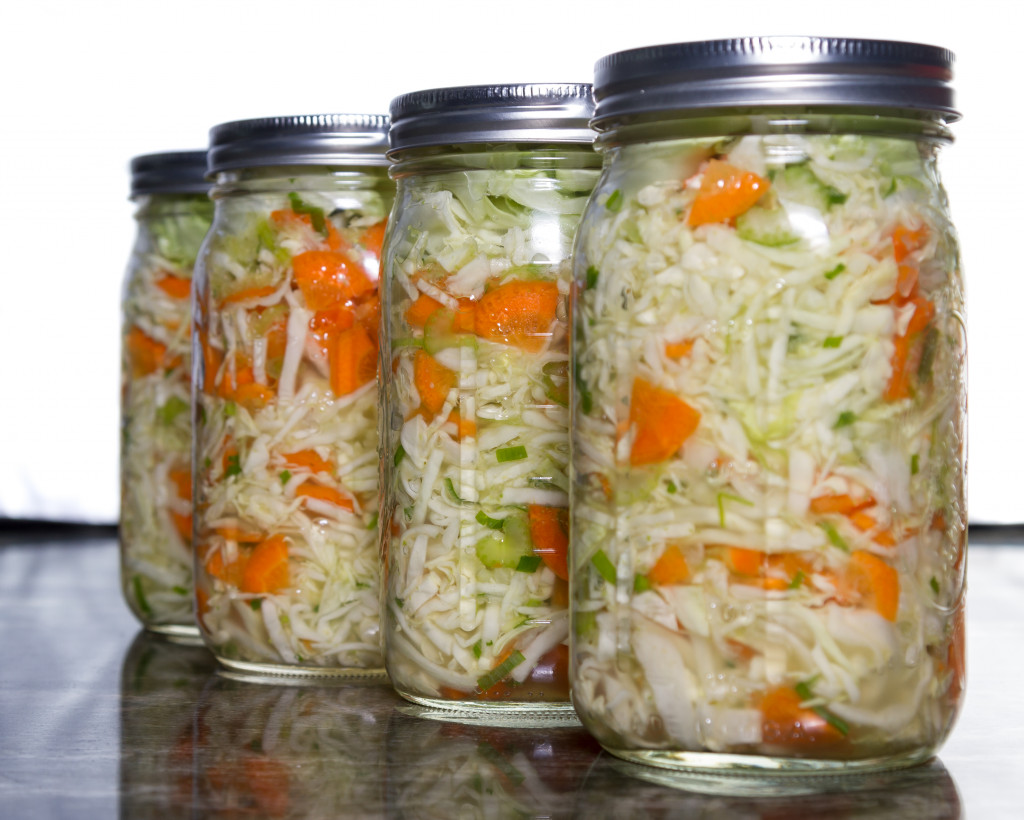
column 285, row 350
column 172, row 216
column 492, row 181
column 769, row 519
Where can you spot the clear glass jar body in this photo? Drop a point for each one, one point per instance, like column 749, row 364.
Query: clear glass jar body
column 477, row 267
column 769, row 522
column 156, row 428
column 286, row 323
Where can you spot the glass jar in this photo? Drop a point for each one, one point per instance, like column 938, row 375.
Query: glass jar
column 286, row 324
column 769, row 517
column 172, row 215
column 492, row 181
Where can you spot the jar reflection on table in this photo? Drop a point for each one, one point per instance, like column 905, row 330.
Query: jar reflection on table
column 286, row 325
column 619, row 790
column 293, row 751
column 769, row 514
column 172, row 217
column 161, row 683
column 441, row 769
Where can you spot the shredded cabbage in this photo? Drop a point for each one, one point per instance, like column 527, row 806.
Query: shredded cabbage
column 156, row 430
column 476, row 433
column 286, row 440
column 769, row 520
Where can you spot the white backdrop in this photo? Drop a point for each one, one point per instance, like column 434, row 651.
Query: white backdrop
column 86, row 86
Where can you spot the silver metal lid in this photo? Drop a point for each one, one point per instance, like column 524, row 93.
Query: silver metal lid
column 774, row 71
column 171, row 172
column 530, row 112
column 314, row 139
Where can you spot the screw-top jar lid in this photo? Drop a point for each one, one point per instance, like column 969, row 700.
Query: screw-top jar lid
column 530, row 112
column 315, row 139
column 171, row 172
column 774, row 71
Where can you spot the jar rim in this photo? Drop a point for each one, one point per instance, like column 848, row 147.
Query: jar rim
column 169, row 172
column 306, row 139
column 503, row 113
column 777, row 71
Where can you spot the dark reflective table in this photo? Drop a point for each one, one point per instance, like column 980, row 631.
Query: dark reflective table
column 98, row 719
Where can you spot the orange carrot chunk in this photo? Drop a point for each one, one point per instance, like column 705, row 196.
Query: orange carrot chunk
column 725, row 192
column 267, row 567
column 906, row 241
column 433, row 381
column 181, row 478
column 328, row 278
column 670, row 569
column 175, row 286
column 328, row 494
column 373, row 238
column 549, row 531
column 247, row 295
column 145, row 353
column 663, row 422
column 353, row 360
column 230, row 572
column 877, row 582
column 840, row 503
column 677, row 350
column 310, row 460
column 423, row 308
column 744, row 561
column 785, row 723
column 517, row 313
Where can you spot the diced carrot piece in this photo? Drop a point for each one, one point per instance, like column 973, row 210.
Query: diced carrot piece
column 248, row 295
column 840, row 503
column 368, row 314
column 663, row 422
column 373, row 238
column 433, row 381
column 924, row 310
column 518, row 313
column 212, row 359
column 253, row 396
column 310, row 460
column 877, row 582
column 175, row 286
column 328, row 494
column 353, row 360
column 670, row 569
column 230, row 573
column 325, row 325
column 239, row 535
column 145, row 353
column 785, row 723
column 549, row 531
column 956, row 657
column 181, row 478
column 677, row 350
column 744, row 561
column 423, row 308
column 230, row 457
column 466, row 427
column 560, row 594
column 899, row 382
column 328, row 278
column 725, row 192
column 905, row 241
column 906, row 281
column 182, row 524
column 267, row 567
column 285, row 216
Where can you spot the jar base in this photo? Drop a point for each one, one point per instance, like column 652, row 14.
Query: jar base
column 279, row 673
column 183, row 634
column 739, row 775
column 511, row 714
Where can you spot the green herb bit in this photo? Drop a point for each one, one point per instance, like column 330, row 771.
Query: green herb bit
column 798, row 580
column 670, row 486
column 846, row 418
column 140, row 596
column 604, row 566
column 234, row 466
column 915, row 464
column 934, row 585
column 722, row 498
column 255, row 604
column 510, row 454
column 641, row 583
column 835, row 539
column 449, row 487
column 478, row 650
column 585, row 397
column 493, row 523
column 584, row 622
column 400, row 602
column 500, row 672
column 372, row 525
column 179, row 590
column 399, row 454
column 614, row 201
column 592, row 274
column 171, row 409
column 832, row 341
column 528, row 563
column 316, row 215
column 838, row 269
column 284, row 475
column 230, row 408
